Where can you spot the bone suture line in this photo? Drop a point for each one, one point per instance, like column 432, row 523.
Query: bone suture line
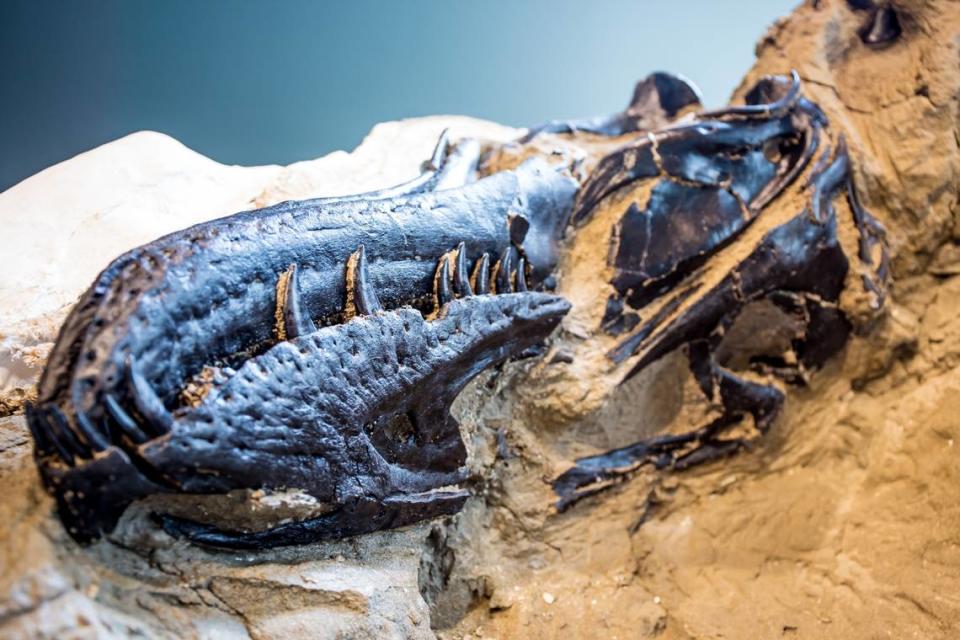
column 360, row 288
column 129, row 426
column 521, row 274
column 147, row 403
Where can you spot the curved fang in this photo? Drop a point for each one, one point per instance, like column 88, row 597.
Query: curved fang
column 56, row 418
column 362, row 299
column 90, row 433
column 292, row 319
column 439, row 152
column 461, row 281
column 441, row 282
column 504, row 269
column 481, row 275
column 42, row 442
column 52, row 437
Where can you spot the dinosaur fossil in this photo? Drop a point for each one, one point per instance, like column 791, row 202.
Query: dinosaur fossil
column 318, row 345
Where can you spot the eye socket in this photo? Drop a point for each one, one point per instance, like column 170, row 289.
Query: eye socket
column 394, row 437
column 399, row 429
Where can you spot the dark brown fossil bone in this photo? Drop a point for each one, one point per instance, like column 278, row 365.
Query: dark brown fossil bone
column 708, row 181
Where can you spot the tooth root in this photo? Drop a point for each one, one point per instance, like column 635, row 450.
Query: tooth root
column 97, row 440
column 441, row 282
column 362, row 299
column 481, row 275
column 127, row 424
column 504, row 271
column 66, row 433
column 148, row 403
column 521, row 274
column 461, row 281
column 292, row 319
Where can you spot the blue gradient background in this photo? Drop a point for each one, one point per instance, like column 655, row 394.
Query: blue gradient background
column 274, row 82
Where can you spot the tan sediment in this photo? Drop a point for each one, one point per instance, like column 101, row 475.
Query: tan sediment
column 842, row 522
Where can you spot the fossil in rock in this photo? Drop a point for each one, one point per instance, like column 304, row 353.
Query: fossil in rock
column 333, row 335
column 318, row 345
column 685, row 268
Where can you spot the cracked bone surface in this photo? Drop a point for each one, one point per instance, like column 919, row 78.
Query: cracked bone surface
column 841, row 522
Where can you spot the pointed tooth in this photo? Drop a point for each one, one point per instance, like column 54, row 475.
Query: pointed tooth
column 441, row 282
column 504, row 271
column 461, row 282
column 292, row 316
column 481, row 275
column 67, row 434
column 148, row 403
column 97, row 440
column 127, row 424
column 42, row 421
column 42, row 441
column 522, row 274
column 362, row 293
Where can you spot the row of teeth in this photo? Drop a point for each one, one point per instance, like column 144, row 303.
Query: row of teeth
column 508, row 275
column 54, row 433
column 449, row 283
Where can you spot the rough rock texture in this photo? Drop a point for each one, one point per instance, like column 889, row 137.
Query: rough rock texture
column 842, row 523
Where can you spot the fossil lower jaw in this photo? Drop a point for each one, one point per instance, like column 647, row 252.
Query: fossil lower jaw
column 355, row 518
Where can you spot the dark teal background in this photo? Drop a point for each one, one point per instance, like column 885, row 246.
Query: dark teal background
column 274, row 82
